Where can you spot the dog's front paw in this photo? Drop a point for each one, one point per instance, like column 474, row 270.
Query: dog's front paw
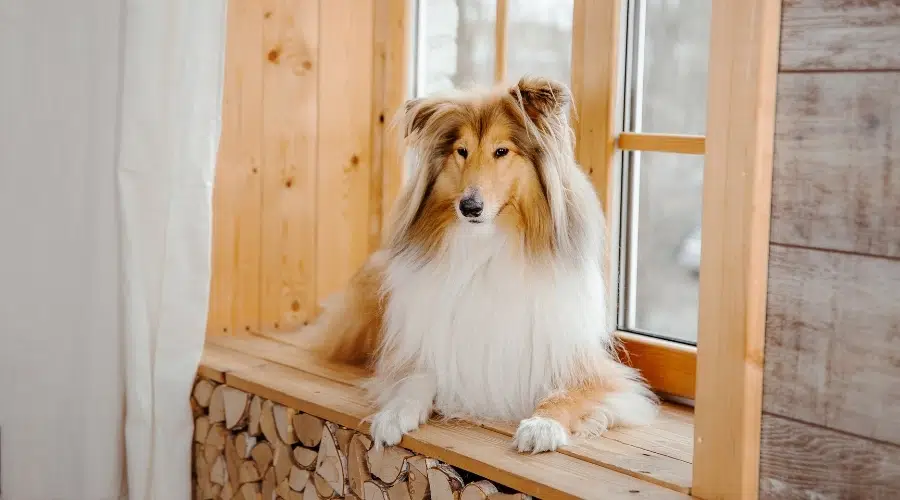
column 389, row 425
column 537, row 434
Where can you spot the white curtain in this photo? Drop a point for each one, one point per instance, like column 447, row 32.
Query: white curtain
column 109, row 126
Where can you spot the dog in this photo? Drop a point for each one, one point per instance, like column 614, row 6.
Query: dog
column 488, row 299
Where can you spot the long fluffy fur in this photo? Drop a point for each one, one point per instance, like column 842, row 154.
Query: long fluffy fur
column 504, row 320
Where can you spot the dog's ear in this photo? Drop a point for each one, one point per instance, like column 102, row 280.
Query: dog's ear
column 416, row 113
column 542, row 98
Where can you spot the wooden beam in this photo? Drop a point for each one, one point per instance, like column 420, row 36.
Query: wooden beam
column 595, row 86
column 501, row 52
column 737, row 186
column 662, row 143
column 667, row 366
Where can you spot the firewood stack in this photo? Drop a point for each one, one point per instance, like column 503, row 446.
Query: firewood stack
column 249, row 448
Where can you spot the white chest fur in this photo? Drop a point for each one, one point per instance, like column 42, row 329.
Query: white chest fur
column 496, row 332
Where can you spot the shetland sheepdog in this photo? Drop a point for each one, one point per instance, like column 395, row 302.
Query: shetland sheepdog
column 487, row 300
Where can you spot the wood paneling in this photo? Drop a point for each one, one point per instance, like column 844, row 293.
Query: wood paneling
column 393, row 48
column 237, row 196
column 297, row 201
column 290, row 48
column 837, row 162
column 802, row 461
column 840, row 35
column 833, row 341
column 345, row 133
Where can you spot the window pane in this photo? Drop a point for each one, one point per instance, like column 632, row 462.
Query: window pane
column 675, row 59
column 540, row 39
column 662, row 284
column 455, row 44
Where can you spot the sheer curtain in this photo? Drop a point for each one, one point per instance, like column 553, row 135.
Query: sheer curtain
column 109, row 126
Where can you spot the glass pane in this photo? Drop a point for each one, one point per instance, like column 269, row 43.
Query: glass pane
column 455, row 44
column 539, row 39
column 665, row 244
column 674, row 63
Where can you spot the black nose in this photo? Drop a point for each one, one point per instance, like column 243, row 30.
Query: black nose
column 471, row 206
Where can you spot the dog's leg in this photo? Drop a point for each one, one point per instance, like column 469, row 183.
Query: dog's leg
column 407, row 406
column 617, row 398
column 549, row 427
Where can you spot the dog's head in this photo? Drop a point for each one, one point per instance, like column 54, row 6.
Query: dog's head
column 500, row 160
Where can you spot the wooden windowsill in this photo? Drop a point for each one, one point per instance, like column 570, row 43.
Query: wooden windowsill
column 653, row 462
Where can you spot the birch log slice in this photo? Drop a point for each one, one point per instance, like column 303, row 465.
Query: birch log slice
column 233, row 463
column 227, row 492
column 323, row 487
column 217, row 405
column 388, row 464
column 249, row 491
column 268, row 484
column 196, row 409
column 374, row 490
column 218, row 472
column 444, row 482
column 284, row 423
column 267, row 423
column 203, row 390
column 283, row 489
column 202, row 468
column 248, row 473
column 343, row 437
column 262, row 456
column 201, row 429
column 237, row 407
column 331, row 463
column 299, row 478
column 308, row 429
column 244, row 444
column 417, row 478
column 281, row 460
column 253, row 419
column 479, row 490
column 309, row 493
column 305, row 457
column 215, row 442
column 357, row 468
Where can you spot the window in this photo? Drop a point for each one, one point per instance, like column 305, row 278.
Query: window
column 666, row 54
column 656, row 111
column 459, row 43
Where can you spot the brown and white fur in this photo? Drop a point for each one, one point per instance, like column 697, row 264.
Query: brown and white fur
column 500, row 315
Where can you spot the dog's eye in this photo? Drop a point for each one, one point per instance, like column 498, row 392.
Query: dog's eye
column 462, row 152
column 500, row 152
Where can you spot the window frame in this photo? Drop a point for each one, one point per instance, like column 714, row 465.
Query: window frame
column 725, row 382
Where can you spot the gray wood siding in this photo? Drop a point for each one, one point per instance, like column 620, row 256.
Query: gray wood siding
column 836, row 183
column 831, row 390
column 840, row 35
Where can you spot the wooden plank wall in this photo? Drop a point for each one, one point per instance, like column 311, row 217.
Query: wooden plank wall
column 298, row 199
column 831, row 421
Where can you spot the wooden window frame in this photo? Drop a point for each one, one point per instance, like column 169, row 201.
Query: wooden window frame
column 723, row 376
column 726, row 381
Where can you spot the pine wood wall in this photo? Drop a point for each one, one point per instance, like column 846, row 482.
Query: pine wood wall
column 300, row 187
column 831, row 422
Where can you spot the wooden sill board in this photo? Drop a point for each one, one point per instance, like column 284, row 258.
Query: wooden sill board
column 672, row 435
column 288, row 375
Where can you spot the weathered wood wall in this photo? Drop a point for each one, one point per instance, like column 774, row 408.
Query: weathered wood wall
column 831, row 422
column 300, row 187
